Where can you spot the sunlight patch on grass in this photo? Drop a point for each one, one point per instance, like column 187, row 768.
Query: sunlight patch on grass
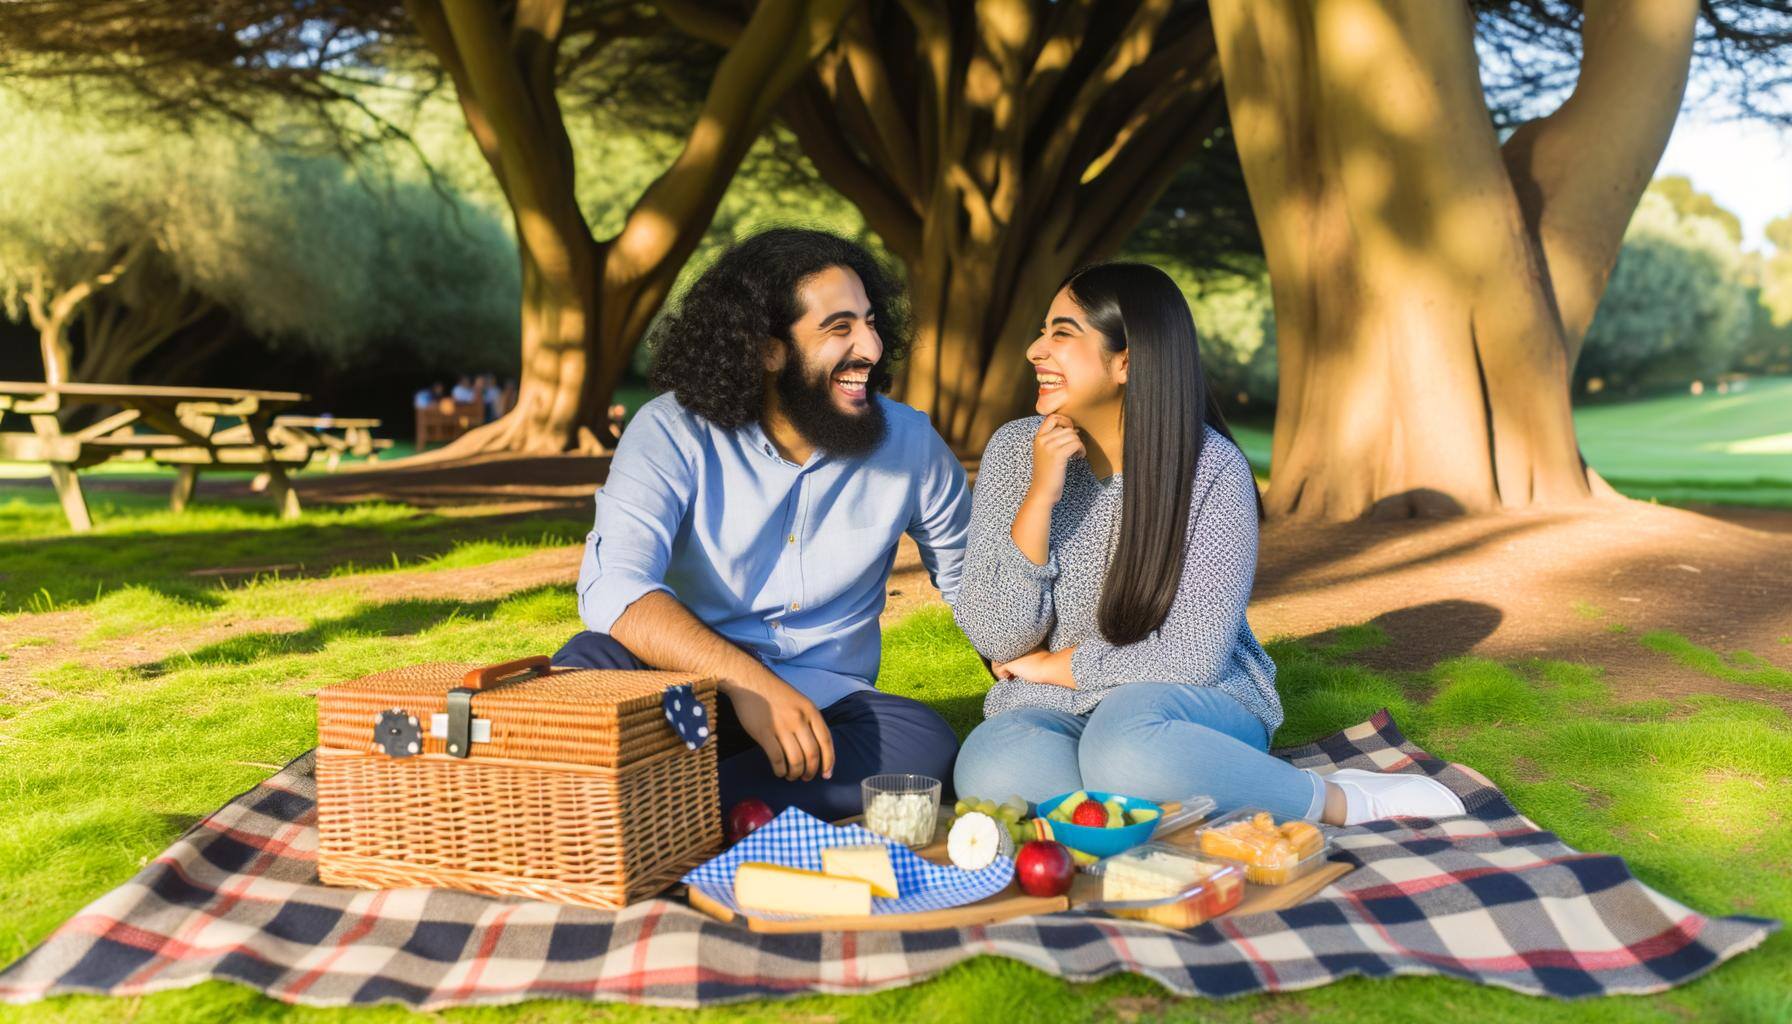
column 1741, row 667
column 134, row 609
column 1474, row 691
column 1772, row 444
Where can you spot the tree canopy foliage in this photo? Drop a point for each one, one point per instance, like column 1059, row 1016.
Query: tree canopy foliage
column 1677, row 307
column 115, row 240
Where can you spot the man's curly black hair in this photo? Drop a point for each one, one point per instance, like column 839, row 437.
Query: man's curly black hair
column 710, row 351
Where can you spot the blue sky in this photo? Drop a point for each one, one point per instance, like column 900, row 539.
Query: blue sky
column 1744, row 164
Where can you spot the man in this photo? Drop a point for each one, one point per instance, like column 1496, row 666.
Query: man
column 751, row 515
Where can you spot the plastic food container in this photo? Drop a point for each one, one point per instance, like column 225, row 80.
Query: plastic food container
column 902, row 807
column 1272, row 851
column 1169, row 886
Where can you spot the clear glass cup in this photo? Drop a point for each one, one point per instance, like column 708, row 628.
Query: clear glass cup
column 902, row 807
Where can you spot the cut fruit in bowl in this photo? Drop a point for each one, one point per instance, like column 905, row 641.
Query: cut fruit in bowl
column 1130, row 821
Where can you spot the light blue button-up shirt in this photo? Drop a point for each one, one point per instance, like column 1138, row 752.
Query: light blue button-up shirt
column 788, row 562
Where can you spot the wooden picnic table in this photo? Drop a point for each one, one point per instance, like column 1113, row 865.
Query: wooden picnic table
column 334, row 436
column 187, row 435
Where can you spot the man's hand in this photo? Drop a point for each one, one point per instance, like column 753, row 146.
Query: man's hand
column 1041, row 666
column 786, row 725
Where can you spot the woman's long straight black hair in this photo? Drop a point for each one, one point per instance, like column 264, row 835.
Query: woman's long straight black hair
column 1139, row 310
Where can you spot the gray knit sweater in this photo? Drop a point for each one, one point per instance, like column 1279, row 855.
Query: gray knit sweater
column 1009, row 606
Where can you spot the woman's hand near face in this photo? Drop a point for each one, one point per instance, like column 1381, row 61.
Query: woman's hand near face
column 1054, row 444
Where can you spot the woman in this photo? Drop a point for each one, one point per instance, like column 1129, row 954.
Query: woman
column 1113, row 609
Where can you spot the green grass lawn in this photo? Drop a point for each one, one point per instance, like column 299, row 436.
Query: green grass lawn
column 1732, row 449
column 102, row 768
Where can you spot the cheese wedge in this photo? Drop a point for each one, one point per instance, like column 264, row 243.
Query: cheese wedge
column 780, row 890
column 868, row 863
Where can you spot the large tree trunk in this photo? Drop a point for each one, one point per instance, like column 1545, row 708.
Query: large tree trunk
column 993, row 164
column 586, row 303
column 1431, row 289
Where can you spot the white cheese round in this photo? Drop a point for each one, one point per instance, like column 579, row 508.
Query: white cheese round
column 976, row 840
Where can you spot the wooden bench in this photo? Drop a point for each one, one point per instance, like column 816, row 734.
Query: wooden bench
column 446, row 419
column 187, row 435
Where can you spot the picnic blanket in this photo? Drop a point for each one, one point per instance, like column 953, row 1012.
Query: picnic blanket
column 1489, row 897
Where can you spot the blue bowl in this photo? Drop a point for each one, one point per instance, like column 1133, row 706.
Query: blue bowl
column 1102, row 842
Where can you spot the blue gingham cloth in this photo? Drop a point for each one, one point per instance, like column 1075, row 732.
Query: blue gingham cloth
column 795, row 839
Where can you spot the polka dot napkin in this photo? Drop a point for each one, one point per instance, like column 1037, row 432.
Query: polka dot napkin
column 686, row 715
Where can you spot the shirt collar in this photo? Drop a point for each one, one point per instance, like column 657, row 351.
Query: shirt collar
column 762, row 442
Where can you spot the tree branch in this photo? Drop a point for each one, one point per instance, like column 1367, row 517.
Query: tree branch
column 776, row 48
column 894, row 216
column 1580, row 172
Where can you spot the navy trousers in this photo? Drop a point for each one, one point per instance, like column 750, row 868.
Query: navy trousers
column 873, row 732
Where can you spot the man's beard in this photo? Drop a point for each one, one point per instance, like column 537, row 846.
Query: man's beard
column 810, row 406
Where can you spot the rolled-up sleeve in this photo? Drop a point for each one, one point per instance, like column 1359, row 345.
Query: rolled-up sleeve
column 1005, row 599
column 1207, row 616
column 639, row 510
column 942, row 517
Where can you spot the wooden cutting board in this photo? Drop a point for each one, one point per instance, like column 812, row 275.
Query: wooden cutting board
column 1011, row 903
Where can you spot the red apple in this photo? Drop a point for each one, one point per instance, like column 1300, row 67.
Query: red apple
column 1091, row 813
column 747, row 816
column 1044, row 868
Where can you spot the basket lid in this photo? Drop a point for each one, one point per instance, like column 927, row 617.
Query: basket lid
column 579, row 716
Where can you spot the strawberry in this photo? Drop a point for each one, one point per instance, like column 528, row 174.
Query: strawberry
column 1091, row 813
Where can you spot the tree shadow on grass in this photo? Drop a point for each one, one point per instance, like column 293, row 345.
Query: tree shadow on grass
column 41, row 574
column 1412, row 638
column 404, row 617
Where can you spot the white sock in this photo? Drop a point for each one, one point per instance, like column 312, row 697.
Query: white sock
column 1369, row 796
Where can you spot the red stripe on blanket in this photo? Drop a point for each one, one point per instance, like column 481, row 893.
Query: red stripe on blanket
column 1268, row 971
column 637, row 968
column 227, row 897
column 1668, row 941
column 363, row 924
column 488, row 944
column 277, row 845
column 1427, row 883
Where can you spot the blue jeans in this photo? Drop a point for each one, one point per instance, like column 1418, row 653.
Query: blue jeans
column 873, row 732
column 1159, row 741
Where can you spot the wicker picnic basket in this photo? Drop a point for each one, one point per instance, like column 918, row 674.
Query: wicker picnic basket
column 513, row 780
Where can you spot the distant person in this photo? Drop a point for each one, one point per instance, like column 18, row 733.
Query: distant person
column 493, row 398
column 429, row 396
column 464, row 392
column 507, row 399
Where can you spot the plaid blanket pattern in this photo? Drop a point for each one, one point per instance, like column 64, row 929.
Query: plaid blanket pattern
column 1488, row 897
column 796, row 839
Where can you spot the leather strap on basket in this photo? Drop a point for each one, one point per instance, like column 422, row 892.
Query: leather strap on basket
column 479, row 680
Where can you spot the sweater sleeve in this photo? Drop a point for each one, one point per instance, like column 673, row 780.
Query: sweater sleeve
column 1005, row 599
column 1196, row 639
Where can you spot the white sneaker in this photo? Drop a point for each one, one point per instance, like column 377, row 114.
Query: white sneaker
column 1372, row 795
